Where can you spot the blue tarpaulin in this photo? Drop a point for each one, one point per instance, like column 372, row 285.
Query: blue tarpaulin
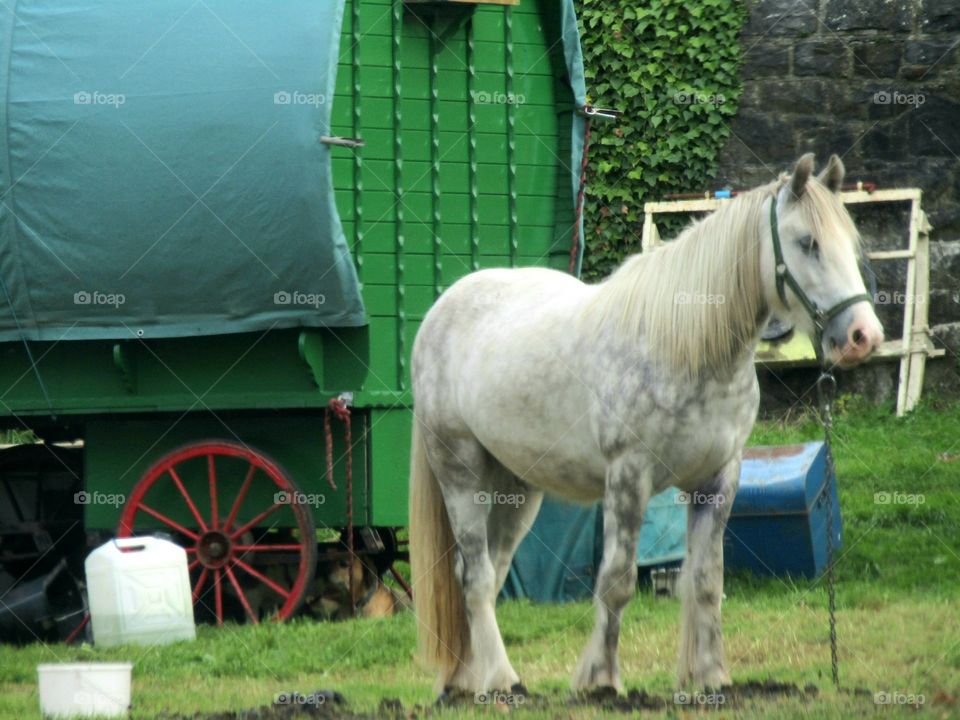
column 559, row 558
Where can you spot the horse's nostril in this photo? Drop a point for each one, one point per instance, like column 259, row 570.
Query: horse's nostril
column 858, row 337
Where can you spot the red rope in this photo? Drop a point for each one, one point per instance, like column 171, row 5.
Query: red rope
column 338, row 407
column 575, row 240
column 78, row 629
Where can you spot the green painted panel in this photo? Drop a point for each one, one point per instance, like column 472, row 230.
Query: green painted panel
column 438, row 199
column 492, row 174
column 420, row 299
column 454, row 268
column 456, row 238
column 377, row 112
column 536, row 213
column 382, row 268
column 389, row 464
column 453, row 148
column 493, row 209
column 381, row 300
column 376, row 50
column 415, row 85
column 490, row 56
column 418, row 206
column 175, row 374
column 374, row 20
column 383, row 353
column 380, row 233
column 376, row 81
column 419, row 232
column 119, row 451
column 416, row 144
column 495, row 241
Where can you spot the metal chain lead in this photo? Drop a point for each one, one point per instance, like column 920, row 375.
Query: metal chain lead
column 826, row 389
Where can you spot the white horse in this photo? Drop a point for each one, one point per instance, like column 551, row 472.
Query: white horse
column 529, row 381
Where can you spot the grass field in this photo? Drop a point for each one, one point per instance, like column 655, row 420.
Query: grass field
column 899, row 582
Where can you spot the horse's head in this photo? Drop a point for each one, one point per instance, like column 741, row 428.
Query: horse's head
column 811, row 267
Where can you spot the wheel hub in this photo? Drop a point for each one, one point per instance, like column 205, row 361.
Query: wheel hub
column 214, row 549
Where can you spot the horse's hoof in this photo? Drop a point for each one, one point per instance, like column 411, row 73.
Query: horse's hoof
column 453, row 696
column 518, row 688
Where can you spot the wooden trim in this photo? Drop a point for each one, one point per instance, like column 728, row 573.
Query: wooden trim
column 891, row 255
column 855, row 197
column 920, row 326
column 888, row 350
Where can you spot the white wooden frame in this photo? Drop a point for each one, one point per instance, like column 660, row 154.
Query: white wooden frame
column 914, row 345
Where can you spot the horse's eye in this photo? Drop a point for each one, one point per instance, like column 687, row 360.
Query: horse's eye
column 809, row 245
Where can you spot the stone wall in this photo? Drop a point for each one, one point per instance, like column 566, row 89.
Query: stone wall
column 878, row 82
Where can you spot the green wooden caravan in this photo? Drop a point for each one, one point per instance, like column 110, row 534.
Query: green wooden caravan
column 221, row 225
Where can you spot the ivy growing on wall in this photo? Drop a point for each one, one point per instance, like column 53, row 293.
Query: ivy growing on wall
column 672, row 67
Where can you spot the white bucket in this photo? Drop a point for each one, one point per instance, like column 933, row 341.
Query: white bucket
column 139, row 592
column 84, row 689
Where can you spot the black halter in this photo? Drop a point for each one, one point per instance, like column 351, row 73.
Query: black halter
column 820, row 318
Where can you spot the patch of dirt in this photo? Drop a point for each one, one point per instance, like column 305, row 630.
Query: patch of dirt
column 766, row 689
column 321, row 704
column 729, row 696
column 607, row 698
column 331, row 705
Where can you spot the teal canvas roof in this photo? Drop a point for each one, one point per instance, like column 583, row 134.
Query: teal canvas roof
column 161, row 170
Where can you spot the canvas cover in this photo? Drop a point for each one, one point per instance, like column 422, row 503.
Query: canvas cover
column 573, row 57
column 559, row 558
column 161, row 171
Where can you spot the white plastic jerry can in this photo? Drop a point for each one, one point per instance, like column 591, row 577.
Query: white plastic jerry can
column 139, row 592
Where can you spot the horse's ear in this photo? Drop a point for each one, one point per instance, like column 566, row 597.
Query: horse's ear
column 832, row 175
column 801, row 173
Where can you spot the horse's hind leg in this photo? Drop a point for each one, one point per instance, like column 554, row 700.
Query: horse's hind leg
column 702, row 662
column 464, row 472
column 513, row 508
column 624, row 502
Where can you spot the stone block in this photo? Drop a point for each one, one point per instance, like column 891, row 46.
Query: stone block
column 889, row 15
column 782, row 18
column 827, row 58
column 764, row 59
column 928, row 59
column 940, row 16
column 877, row 58
column 935, row 128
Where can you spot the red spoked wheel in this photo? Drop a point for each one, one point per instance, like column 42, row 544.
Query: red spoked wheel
column 249, row 531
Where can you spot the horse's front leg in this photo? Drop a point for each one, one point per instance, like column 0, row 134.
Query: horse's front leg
column 625, row 499
column 702, row 663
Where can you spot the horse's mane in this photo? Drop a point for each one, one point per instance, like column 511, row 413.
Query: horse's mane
column 717, row 257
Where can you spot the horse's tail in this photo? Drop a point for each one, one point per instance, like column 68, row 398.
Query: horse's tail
column 437, row 598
